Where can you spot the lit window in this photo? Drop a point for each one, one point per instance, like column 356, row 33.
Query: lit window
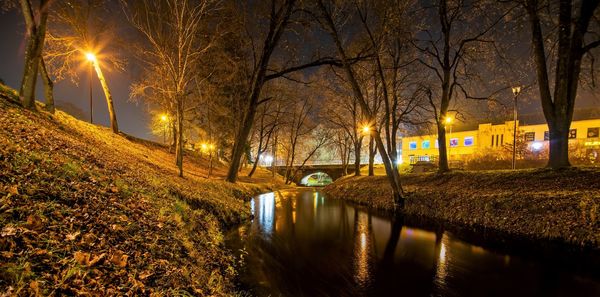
column 593, row 132
column 412, row 145
column 529, row 136
column 469, row 141
column 425, row 144
column 546, row 135
column 573, row 133
column 437, row 144
column 453, row 142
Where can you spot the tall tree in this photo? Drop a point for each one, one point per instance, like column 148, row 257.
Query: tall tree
column 329, row 18
column 575, row 38
column 452, row 49
column 36, row 32
column 174, row 45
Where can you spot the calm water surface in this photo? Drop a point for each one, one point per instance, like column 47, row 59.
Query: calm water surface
column 301, row 243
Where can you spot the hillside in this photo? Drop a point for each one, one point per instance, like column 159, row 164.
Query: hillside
column 84, row 211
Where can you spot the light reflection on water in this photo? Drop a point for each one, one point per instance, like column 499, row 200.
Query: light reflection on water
column 303, row 244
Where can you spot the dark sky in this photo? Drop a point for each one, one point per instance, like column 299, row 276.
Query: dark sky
column 133, row 118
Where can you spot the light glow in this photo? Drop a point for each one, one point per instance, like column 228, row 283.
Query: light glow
column 366, row 129
column 90, row 57
column 536, row 146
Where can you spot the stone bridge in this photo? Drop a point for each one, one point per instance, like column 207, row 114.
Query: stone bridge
column 334, row 171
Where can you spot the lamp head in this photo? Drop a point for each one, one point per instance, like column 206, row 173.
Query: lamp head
column 90, row 57
column 516, row 90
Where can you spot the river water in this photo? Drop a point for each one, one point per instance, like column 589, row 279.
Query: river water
column 301, row 243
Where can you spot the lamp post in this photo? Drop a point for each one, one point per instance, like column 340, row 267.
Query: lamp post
column 165, row 120
column 516, row 90
column 91, row 58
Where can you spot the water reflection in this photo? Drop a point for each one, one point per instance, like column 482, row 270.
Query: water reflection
column 303, row 244
column 362, row 249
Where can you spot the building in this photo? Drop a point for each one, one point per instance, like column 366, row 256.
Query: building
column 584, row 134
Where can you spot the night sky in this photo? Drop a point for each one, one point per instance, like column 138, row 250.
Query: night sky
column 133, row 118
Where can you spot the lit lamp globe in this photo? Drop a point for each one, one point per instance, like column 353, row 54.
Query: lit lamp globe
column 90, row 57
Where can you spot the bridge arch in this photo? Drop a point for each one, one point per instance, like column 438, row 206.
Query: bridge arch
column 318, row 178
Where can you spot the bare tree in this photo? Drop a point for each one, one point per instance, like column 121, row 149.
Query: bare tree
column 328, row 17
column 174, row 45
column 36, row 32
column 576, row 38
column 269, row 119
column 451, row 49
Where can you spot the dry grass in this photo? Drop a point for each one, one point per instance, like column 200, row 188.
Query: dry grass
column 537, row 203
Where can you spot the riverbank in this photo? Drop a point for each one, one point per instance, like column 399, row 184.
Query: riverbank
column 85, row 211
column 537, row 204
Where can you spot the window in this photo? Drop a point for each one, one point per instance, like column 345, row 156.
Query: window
column 492, row 140
column 469, row 141
column 453, row 142
column 546, row 135
column 501, row 139
column 437, row 144
column 425, row 144
column 497, row 140
column 529, row 136
column 573, row 133
column 593, row 132
column 412, row 145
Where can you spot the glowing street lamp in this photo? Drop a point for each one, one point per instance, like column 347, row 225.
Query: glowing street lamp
column 366, row 129
column 92, row 59
column 165, row 119
column 516, row 90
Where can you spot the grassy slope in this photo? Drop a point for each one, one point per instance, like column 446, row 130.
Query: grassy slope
column 86, row 211
column 540, row 203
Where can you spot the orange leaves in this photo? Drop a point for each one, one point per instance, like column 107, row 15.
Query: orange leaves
column 119, row 259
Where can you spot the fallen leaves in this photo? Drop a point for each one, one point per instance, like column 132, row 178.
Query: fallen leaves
column 86, row 212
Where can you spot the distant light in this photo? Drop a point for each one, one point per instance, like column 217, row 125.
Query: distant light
column 366, row 129
column 164, row 118
column 211, row 146
column 448, row 120
column 204, row 146
column 399, row 161
column 536, row 146
column 91, row 57
column 516, row 90
column 268, row 159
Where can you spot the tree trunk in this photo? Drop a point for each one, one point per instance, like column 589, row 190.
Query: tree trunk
column 179, row 141
column 109, row 100
column 255, row 163
column 48, row 87
column 442, row 148
column 35, row 45
column 357, row 149
column 273, row 164
column 559, row 144
column 372, row 153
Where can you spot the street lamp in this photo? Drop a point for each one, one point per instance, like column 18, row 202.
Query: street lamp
column 516, row 90
column 165, row 119
column 366, row 129
column 92, row 59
